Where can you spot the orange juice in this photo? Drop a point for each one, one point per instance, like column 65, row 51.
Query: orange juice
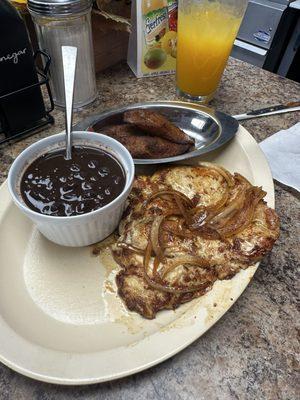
column 205, row 37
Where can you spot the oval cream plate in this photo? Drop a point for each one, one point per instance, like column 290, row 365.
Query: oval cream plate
column 61, row 320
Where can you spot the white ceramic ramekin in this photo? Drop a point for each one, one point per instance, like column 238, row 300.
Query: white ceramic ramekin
column 79, row 230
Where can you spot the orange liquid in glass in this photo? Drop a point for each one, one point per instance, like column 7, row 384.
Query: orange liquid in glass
column 205, row 39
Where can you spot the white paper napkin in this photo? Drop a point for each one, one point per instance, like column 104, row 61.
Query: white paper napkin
column 283, row 153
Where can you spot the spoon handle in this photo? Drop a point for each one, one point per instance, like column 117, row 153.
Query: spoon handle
column 69, row 55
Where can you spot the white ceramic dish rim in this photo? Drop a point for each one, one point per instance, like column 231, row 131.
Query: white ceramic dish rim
column 60, row 137
column 140, row 359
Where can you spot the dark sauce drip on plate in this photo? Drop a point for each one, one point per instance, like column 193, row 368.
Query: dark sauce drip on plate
column 55, row 186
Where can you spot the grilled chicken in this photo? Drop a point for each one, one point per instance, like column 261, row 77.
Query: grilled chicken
column 224, row 257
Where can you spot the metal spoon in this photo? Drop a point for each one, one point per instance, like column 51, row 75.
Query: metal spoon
column 69, row 55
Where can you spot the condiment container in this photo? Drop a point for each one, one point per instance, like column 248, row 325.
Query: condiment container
column 21, row 102
column 78, row 230
column 67, row 23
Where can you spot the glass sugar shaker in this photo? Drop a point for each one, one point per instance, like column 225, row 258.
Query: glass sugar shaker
column 67, row 23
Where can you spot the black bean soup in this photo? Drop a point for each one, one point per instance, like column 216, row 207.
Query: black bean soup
column 55, row 186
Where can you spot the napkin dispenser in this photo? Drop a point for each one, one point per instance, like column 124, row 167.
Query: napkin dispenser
column 22, row 107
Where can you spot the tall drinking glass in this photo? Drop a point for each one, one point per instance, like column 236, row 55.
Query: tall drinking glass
column 206, row 32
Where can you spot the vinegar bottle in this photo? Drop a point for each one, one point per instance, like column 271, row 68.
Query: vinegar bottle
column 17, row 71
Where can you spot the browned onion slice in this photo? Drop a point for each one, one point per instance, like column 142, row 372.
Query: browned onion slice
column 147, row 256
column 171, row 193
column 192, row 261
column 234, row 218
column 169, row 289
column 156, row 263
column 171, row 211
column 242, row 179
column 206, row 232
column 218, row 206
column 204, row 214
column 160, row 286
column 221, row 170
column 208, row 212
column 224, row 216
column 127, row 246
column 182, row 209
column 245, row 216
column 154, row 235
column 184, row 233
column 193, row 230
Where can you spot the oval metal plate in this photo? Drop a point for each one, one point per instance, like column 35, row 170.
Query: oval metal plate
column 210, row 129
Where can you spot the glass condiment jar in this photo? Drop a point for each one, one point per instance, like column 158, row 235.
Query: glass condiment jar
column 67, row 23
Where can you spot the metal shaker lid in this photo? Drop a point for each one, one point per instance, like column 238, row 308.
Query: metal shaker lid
column 59, row 7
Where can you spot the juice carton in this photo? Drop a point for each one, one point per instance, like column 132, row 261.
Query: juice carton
column 153, row 39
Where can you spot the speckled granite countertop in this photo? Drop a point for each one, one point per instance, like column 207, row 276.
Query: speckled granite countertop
column 251, row 353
